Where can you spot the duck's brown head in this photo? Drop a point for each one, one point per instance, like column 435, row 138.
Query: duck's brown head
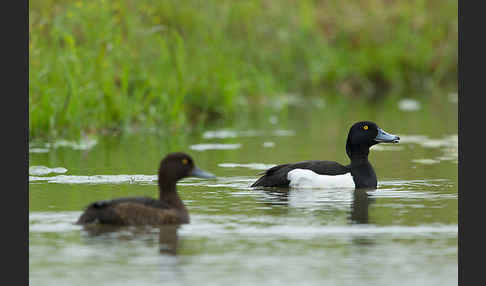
column 178, row 165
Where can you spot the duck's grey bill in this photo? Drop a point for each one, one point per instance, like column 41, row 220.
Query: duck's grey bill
column 196, row 172
column 386, row 137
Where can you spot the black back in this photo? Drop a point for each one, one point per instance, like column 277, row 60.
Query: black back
column 277, row 175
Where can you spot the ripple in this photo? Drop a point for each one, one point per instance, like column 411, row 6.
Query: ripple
column 241, row 183
column 412, row 189
column 53, row 221
column 230, row 182
column 448, row 145
column 203, row 225
column 225, row 133
column 253, row 166
column 412, row 138
column 426, row 161
column 408, row 104
column 427, row 142
column 223, row 226
column 453, row 97
column 204, row 147
column 386, row 148
column 283, row 133
column 268, row 144
column 96, row 179
column 38, row 150
column 401, row 194
column 83, row 144
column 220, row 134
column 43, row 170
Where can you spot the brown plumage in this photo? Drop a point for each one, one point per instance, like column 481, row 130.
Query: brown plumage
column 168, row 209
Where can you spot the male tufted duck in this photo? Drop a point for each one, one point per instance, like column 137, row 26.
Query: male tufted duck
column 360, row 174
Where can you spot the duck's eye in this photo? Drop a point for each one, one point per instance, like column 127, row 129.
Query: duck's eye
column 185, row 161
column 365, row 127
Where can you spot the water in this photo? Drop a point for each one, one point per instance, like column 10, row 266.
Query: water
column 403, row 233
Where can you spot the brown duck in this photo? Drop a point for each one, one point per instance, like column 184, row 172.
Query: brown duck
column 168, row 209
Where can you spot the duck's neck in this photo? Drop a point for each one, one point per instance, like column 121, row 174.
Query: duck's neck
column 168, row 194
column 364, row 175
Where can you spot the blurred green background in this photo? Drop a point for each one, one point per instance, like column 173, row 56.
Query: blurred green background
column 102, row 66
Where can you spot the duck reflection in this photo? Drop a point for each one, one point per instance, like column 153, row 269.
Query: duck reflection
column 277, row 199
column 359, row 214
column 360, row 206
column 168, row 239
column 277, row 196
column 167, row 234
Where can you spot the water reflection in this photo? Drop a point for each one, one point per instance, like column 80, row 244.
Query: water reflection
column 360, row 205
column 167, row 235
column 237, row 233
column 276, row 196
column 359, row 208
column 360, row 214
column 168, row 239
column 273, row 198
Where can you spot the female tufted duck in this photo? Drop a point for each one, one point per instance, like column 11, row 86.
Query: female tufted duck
column 168, row 209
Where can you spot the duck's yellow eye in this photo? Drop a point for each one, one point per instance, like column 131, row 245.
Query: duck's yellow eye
column 184, row 161
column 365, row 127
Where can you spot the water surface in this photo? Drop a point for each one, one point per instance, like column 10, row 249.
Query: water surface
column 402, row 233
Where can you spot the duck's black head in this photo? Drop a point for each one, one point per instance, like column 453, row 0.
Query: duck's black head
column 176, row 166
column 362, row 135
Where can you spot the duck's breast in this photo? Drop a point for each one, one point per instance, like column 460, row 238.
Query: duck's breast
column 304, row 178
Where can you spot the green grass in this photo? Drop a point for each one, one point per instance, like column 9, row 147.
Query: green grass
column 105, row 65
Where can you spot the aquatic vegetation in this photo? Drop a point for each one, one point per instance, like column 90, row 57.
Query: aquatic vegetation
column 104, row 65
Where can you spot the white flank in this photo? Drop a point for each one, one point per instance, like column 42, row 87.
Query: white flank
column 303, row 178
